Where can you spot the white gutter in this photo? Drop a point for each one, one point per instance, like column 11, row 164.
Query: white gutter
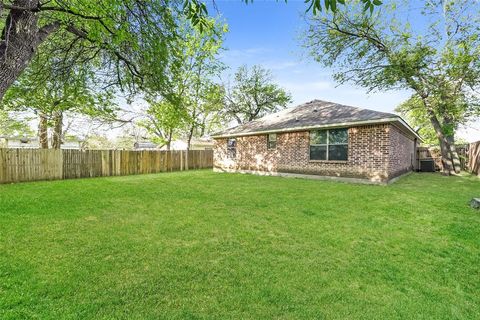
column 332, row 125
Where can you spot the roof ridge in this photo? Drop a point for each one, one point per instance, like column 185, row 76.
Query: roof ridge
column 343, row 105
column 314, row 113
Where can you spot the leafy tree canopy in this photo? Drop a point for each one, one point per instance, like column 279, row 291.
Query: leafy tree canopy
column 13, row 126
column 253, row 94
column 188, row 100
column 121, row 33
column 51, row 93
column 124, row 33
column 412, row 111
column 42, row 89
column 386, row 50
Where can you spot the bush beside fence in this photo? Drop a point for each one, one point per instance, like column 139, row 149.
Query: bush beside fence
column 17, row 165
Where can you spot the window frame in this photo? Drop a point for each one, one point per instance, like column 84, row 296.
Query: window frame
column 326, row 145
column 232, row 151
column 274, row 142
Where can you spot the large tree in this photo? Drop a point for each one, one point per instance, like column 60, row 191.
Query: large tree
column 11, row 125
column 124, row 32
column 188, row 98
column 199, row 67
column 388, row 50
column 412, row 110
column 253, row 94
column 206, row 113
column 52, row 95
column 163, row 121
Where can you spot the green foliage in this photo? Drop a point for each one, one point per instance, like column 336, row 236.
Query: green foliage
column 381, row 51
column 44, row 89
column 188, row 101
column 130, row 38
column 125, row 142
column 412, row 110
column 208, row 112
column 134, row 39
column 163, row 121
column 204, row 245
column 316, row 6
column 98, row 142
column 253, row 95
column 11, row 125
column 196, row 10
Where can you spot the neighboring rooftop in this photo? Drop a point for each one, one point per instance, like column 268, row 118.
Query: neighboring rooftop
column 313, row 114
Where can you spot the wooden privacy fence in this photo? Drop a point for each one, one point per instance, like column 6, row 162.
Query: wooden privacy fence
column 18, row 165
column 469, row 155
column 474, row 158
column 434, row 154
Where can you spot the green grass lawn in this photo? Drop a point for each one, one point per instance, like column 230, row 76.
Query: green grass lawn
column 201, row 245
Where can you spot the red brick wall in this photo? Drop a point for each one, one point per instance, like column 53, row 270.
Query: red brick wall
column 401, row 153
column 369, row 149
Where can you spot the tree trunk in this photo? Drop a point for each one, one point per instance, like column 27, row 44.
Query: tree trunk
column 447, row 162
column 202, row 128
column 450, row 160
column 445, row 149
column 19, row 40
column 169, row 140
column 239, row 121
column 43, row 131
column 57, row 131
column 190, row 136
column 450, row 137
column 453, row 153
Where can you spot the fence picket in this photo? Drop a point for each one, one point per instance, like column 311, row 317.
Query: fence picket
column 18, row 165
column 474, row 158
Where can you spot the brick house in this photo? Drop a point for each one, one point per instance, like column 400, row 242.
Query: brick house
column 320, row 138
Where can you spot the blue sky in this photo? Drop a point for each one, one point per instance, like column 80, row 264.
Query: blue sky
column 268, row 33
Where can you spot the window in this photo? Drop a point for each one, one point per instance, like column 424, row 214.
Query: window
column 232, row 148
column 329, row 144
column 271, row 141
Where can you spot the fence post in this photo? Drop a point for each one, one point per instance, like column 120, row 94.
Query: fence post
column 60, row 164
column 474, row 158
column 3, row 165
column 49, row 164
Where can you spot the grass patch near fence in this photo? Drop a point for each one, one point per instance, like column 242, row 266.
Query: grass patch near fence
column 200, row 245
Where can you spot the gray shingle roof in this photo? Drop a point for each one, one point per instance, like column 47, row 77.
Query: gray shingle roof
column 316, row 113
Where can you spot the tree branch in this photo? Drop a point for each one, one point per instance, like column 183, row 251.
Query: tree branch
column 130, row 65
column 46, row 30
column 80, row 15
